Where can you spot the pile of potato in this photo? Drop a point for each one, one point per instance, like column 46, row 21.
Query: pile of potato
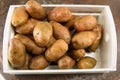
column 42, row 38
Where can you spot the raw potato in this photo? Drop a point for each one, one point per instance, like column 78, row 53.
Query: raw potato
column 28, row 27
column 83, row 39
column 86, row 22
column 77, row 54
column 60, row 14
column 16, row 53
column 66, row 62
column 86, row 63
column 38, row 62
column 42, row 33
column 27, row 62
column 71, row 22
column 30, row 45
column 60, row 32
column 98, row 30
column 57, row 50
column 19, row 16
column 52, row 40
column 35, row 10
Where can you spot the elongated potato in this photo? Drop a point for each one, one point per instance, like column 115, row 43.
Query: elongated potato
column 66, row 62
column 42, row 33
column 98, row 30
column 35, row 10
column 16, row 53
column 60, row 14
column 86, row 63
column 86, row 22
column 28, row 27
column 83, row 39
column 38, row 62
column 60, row 32
column 57, row 50
column 30, row 45
column 19, row 16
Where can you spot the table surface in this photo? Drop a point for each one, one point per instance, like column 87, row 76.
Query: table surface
column 115, row 8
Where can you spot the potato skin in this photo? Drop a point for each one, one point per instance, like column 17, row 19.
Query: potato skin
column 86, row 22
column 30, row 45
column 16, row 53
column 28, row 27
column 60, row 14
column 83, row 39
column 50, row 43
column 60, row 32
column 19, row 16
column 38, row 63
column 86, row 63
column 42, row 33
column 57, row 50
column 35, row 10
column 66, row 62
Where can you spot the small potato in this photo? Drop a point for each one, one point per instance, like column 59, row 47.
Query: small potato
column 42, row 33
column 35, row 10
column 83, row 39
column 86, row 63
column 77, row 54
column 30, row 45
column 66, row 62
column 19, row 16
column 60, row 32
column 16, row 53
column 38, row 62
column 98, row 30
column 86, row 22
column 52, row 40
column 69, row 24
column 28, row 27
column 60, row 14
column 27, row 62
column 57, row 50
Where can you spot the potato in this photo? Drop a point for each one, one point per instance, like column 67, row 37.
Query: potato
column 19, row 16
column 86, row 63
column 30, row 45
column 86, row 22
column 98, row 30
column 27, row 62
column 35, row 10
column 60, row 32
column 42, row 33
column 60, row 14
column 83, row 39
column 28, row 27
column 38, row 62
column 77, row 54
column 57, row 50
column 69, row 24
column 66, row 62
column 52, row 40
column 16, row 53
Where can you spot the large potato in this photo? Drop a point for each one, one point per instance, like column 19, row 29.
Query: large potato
column 42, row 33
column 16, row 53
column 86, row 22
column 30, row 45
column 19, row 16
column 35, row 10
column 60, row 32
column 28, row 27
column 66, row 62
column 86, row 63
column 38, row 62
column 98, row 30
column 83, row 39
column 57, row 50
column 60, row 14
